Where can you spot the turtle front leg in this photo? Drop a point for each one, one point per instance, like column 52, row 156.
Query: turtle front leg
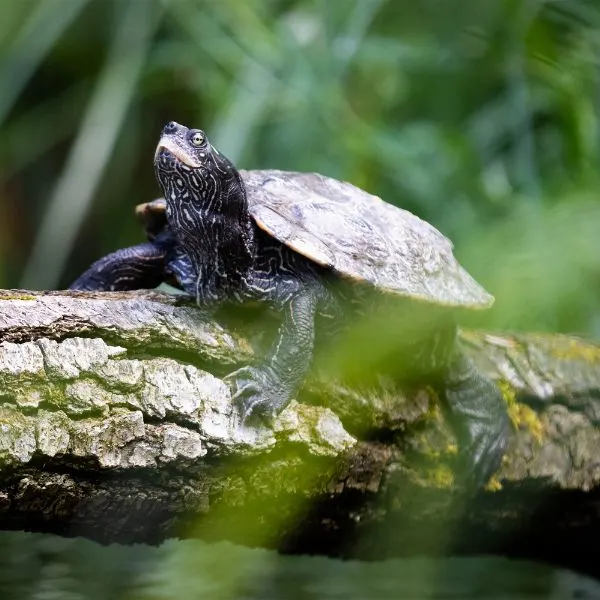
column 133, row 268
column 266, row 390
column 478, row 413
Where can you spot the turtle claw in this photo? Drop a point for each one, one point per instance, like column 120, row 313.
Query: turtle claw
column 256, row 393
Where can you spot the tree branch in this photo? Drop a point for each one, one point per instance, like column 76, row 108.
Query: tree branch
column 115, row 425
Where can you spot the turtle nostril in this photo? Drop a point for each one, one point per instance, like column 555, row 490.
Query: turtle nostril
column 170, row 127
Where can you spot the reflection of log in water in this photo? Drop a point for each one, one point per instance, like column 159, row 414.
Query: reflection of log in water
column 115, row 426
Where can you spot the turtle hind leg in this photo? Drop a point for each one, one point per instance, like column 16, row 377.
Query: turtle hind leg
column 478, row 413
column 133, row 268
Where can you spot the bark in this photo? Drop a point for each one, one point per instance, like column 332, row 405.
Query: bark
column 116, row 424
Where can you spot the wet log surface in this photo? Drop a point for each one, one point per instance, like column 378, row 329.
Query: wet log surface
column 115, row 424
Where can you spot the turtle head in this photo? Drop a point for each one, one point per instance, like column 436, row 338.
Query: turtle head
column 181, row 149
column 194, row 175
column 203, row 191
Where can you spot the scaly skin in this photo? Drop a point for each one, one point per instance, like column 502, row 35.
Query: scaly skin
column 138, row 267
column 216, row 253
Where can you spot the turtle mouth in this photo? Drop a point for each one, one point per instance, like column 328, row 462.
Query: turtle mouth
column 169, row 151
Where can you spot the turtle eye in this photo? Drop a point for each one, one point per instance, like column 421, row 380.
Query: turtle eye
column 197, row 138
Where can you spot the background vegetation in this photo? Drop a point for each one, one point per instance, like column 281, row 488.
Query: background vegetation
column 481, row 117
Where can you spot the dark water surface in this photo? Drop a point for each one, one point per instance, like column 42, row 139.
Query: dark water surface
column 44, row 567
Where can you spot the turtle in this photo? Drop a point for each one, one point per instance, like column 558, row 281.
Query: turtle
column 308, row 247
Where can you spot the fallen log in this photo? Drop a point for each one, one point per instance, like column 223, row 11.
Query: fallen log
column 115, row 425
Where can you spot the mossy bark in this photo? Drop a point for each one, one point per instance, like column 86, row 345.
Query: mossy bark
column 115, row 424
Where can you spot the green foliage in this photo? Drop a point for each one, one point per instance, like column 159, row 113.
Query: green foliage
column 480, row 117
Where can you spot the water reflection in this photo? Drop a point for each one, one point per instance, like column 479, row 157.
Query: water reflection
column 44, row 567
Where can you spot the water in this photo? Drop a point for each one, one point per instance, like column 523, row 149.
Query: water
column 44, row 567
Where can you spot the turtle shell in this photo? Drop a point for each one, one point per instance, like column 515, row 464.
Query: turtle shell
column 361, row 237
column 358, row 235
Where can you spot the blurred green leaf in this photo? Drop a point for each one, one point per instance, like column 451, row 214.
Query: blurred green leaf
column 96, row 138
column 41, row 30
